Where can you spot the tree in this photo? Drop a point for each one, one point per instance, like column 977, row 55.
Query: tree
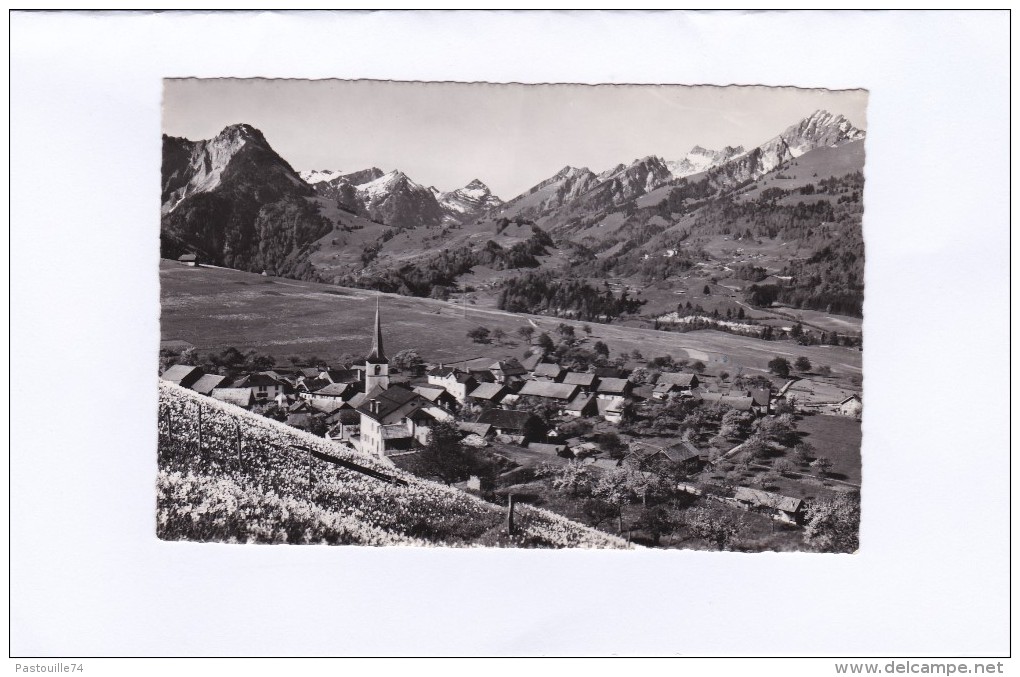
column 565, row 330
column 444, row 456
column 600, row 348
column 526, row 332
column 832, row 525
column 706, row 291
column 822, row 465
column 803, row 453
column 611, row 443
column 802, row 364
column 406, row 359
column 714, row 526
column 586, row 329
column 479, row 335
column 783, row 466
column 779, row 429
column 498, row 335
column 698, row 366
column 254, row 361
column 780, row 366
column 545, row 342
column 736, row 424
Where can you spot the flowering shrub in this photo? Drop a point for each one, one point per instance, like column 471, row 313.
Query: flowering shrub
column 226, row 474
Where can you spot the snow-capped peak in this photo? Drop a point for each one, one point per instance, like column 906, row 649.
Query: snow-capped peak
column 475, row 197
column 319, row 175
column 700, row 159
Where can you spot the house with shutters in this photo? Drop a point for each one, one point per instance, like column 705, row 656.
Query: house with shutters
column 456, row 381
column 671, row 384
column 264, row 387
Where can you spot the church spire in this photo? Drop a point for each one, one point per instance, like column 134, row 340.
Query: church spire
column 377, row 355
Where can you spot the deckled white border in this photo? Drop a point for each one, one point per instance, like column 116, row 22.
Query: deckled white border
column 88, row 576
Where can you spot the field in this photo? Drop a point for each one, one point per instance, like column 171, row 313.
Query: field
column 212, row 308
column 839, row 439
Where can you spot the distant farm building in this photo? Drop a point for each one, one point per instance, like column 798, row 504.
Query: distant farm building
column 851, row 406
column 188, row 260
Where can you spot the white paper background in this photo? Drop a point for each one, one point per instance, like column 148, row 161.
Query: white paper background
column 88, row 576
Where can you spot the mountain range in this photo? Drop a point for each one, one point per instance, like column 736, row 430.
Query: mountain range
column 234, row 201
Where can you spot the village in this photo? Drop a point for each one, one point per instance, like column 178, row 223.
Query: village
column 734, row 438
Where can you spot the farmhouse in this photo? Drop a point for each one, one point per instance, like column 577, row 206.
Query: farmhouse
column 441, row 404
column 183, row 375
column 506, row 371
column 458, row 383
column 684, row 454
column 586, row 381
column 851, row 406
column 553, row 391
column 489, row 392
column 672, row 384
column 240, row 397
column 547, row 372
column 613, row 409
column 263, row 387
column 582, row 405
column 206, row 384
column 188, row 260
column 762, row 399
column 335, row 393
column 347, row 425
column 613, row 387
column 777, row 506
column 521, row 424
column 300, row 413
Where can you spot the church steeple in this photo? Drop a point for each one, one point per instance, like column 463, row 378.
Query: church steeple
column 377, row 367
column 377, row 356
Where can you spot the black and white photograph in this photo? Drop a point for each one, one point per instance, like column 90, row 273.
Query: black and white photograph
column 512, row 315
column 466, row 335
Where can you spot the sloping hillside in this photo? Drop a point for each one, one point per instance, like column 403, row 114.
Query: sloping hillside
column 228, row 475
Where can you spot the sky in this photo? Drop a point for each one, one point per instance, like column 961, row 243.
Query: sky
column 510, row 136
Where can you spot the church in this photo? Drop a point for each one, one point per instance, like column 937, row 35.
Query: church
column 393, row 418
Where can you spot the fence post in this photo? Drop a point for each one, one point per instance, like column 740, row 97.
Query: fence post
column 510, row 515
column 240, row 459
column 199, row 429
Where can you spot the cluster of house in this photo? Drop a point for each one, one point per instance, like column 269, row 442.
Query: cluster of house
column 374, row 412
